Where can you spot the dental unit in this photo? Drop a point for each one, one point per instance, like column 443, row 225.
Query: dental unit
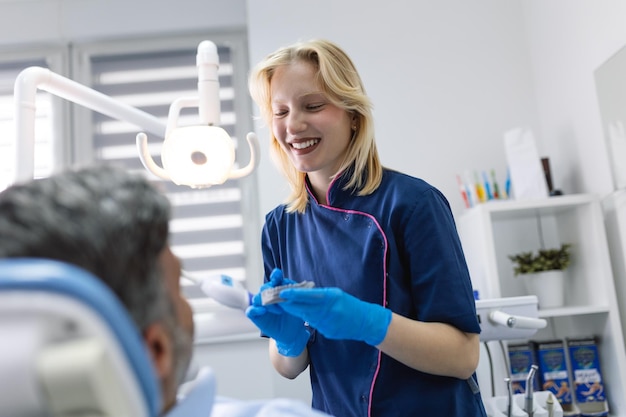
column 512, row 318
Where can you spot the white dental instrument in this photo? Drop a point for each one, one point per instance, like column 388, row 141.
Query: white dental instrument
column 223, row 289
column 521, row 322
column 530, row 392
column 509, row 404
column 550, row 405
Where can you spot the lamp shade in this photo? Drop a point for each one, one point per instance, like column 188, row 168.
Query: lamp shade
column 191, row 153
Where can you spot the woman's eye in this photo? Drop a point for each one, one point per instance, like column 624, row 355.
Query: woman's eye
column 279, row 113
column 314, row 107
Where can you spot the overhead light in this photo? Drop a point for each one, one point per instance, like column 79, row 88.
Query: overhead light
column 197, row 156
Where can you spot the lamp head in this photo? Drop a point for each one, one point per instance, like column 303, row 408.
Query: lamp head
column 199, row 156
column 203, row 155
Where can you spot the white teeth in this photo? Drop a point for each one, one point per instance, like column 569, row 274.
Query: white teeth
column 303, row 145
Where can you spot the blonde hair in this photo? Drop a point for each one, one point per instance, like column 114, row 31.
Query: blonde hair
column 340, row 81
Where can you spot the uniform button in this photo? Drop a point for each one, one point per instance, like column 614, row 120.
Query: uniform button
column 363, row 398
column 345, row 217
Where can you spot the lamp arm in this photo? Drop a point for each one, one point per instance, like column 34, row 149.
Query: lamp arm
column 33, row 78
column 255, row 156
column 174, row 112
column 207, row 61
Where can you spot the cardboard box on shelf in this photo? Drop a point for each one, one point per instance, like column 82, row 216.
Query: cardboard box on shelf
column 554, row 375
column 587, row 377
column 521, row 357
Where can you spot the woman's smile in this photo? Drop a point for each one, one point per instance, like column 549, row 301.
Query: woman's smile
column 305, row 145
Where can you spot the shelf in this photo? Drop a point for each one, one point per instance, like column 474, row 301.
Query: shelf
column 509, row 209
column 573, row 311
column 490, row 232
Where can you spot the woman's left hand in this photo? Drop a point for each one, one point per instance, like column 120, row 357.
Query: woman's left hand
column 337, row 314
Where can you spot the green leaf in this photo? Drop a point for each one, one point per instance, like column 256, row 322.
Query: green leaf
column 542, row 260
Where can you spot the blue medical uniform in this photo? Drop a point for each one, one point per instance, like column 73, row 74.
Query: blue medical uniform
column 396, row 247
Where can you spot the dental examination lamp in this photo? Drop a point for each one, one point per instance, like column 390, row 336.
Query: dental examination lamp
column 197, row 156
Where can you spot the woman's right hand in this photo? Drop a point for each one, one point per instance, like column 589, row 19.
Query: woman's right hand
column 288, row 331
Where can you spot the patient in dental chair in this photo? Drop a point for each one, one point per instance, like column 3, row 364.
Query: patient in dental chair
column 115, row 225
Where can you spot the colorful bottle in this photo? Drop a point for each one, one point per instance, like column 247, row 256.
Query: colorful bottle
column 480, row 189
column 496, row 189
column 464, row 194
column 488, row 194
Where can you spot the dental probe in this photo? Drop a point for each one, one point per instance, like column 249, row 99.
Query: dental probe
column 509, row 406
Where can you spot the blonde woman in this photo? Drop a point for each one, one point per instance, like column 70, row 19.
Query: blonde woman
column 390, row 328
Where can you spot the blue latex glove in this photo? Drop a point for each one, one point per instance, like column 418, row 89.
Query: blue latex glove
column 337, row 314
column 288, row 331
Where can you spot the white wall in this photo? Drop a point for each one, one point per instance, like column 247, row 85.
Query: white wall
column 569, row 40
column 447, row 78
column 54, row 21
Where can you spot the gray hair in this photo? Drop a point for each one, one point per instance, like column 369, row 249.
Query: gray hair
column 102, row 219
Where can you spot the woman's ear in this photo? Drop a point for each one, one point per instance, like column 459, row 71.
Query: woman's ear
column 354, row 121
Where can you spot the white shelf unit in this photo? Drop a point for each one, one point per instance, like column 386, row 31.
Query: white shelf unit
column 491, row 231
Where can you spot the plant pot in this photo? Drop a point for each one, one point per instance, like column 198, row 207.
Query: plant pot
column 548, row 286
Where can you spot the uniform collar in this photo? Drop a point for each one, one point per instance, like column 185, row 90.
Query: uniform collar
column 336, row 194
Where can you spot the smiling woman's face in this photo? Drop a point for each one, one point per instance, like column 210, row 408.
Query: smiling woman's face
column 313, row 131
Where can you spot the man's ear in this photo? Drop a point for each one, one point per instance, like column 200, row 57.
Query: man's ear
column 160, row 347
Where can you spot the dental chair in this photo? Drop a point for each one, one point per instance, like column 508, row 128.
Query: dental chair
column 68, row 347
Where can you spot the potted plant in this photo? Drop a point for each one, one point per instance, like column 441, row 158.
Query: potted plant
column 543, row 273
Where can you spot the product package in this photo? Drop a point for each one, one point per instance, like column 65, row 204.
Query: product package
column 553, row 371
column 521, row 357
column 587, row 378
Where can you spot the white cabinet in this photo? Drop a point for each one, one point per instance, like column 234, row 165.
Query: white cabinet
column 490, row 232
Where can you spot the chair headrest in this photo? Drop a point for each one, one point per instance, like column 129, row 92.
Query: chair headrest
column 69, row 345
